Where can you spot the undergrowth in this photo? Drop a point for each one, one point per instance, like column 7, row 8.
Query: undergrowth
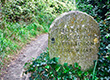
column 25, row 19
column 100, row 10
column 14, row 36
column 44, row 68
column 50, row 69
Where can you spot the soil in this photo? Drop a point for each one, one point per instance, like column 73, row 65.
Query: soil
column 32, row 50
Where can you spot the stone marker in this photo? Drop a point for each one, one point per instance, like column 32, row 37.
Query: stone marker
column 74, row 37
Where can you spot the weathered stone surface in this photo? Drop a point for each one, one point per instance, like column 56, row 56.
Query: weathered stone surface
column 74, row 37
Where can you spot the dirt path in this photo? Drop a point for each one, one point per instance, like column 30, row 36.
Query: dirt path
column 32, row 50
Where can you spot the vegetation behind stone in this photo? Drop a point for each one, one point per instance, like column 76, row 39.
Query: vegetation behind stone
column 18, row 25
column 100, row 10
column 23, row 20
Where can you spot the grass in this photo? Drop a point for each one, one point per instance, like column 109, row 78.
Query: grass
column 94, row 71
column 14, row 34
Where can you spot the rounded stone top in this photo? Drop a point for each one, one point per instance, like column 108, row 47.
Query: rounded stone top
column 74, row 37
column 76, row 13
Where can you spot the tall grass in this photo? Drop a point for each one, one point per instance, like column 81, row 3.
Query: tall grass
column 19, row 28
column 14, row 36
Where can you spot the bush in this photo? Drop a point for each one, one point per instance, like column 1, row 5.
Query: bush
column 27, row 10
column 100, row 10
column 23, row 20
column 19, row 10
column 49, row 69
column 96, row 8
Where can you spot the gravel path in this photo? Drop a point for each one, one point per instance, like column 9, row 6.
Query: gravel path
column 32, row 50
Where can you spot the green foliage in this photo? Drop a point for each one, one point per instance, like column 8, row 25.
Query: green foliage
column 96, row 8
column 49, row 69
column 18, row 9
column 34, row 17
column 100, row 10
column 27, row 10
column 15, row 35
column 25, row 19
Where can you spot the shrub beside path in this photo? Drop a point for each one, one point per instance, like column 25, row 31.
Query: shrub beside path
column 32, row 50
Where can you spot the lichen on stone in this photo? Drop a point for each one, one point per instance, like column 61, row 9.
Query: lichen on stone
column 76, row 39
